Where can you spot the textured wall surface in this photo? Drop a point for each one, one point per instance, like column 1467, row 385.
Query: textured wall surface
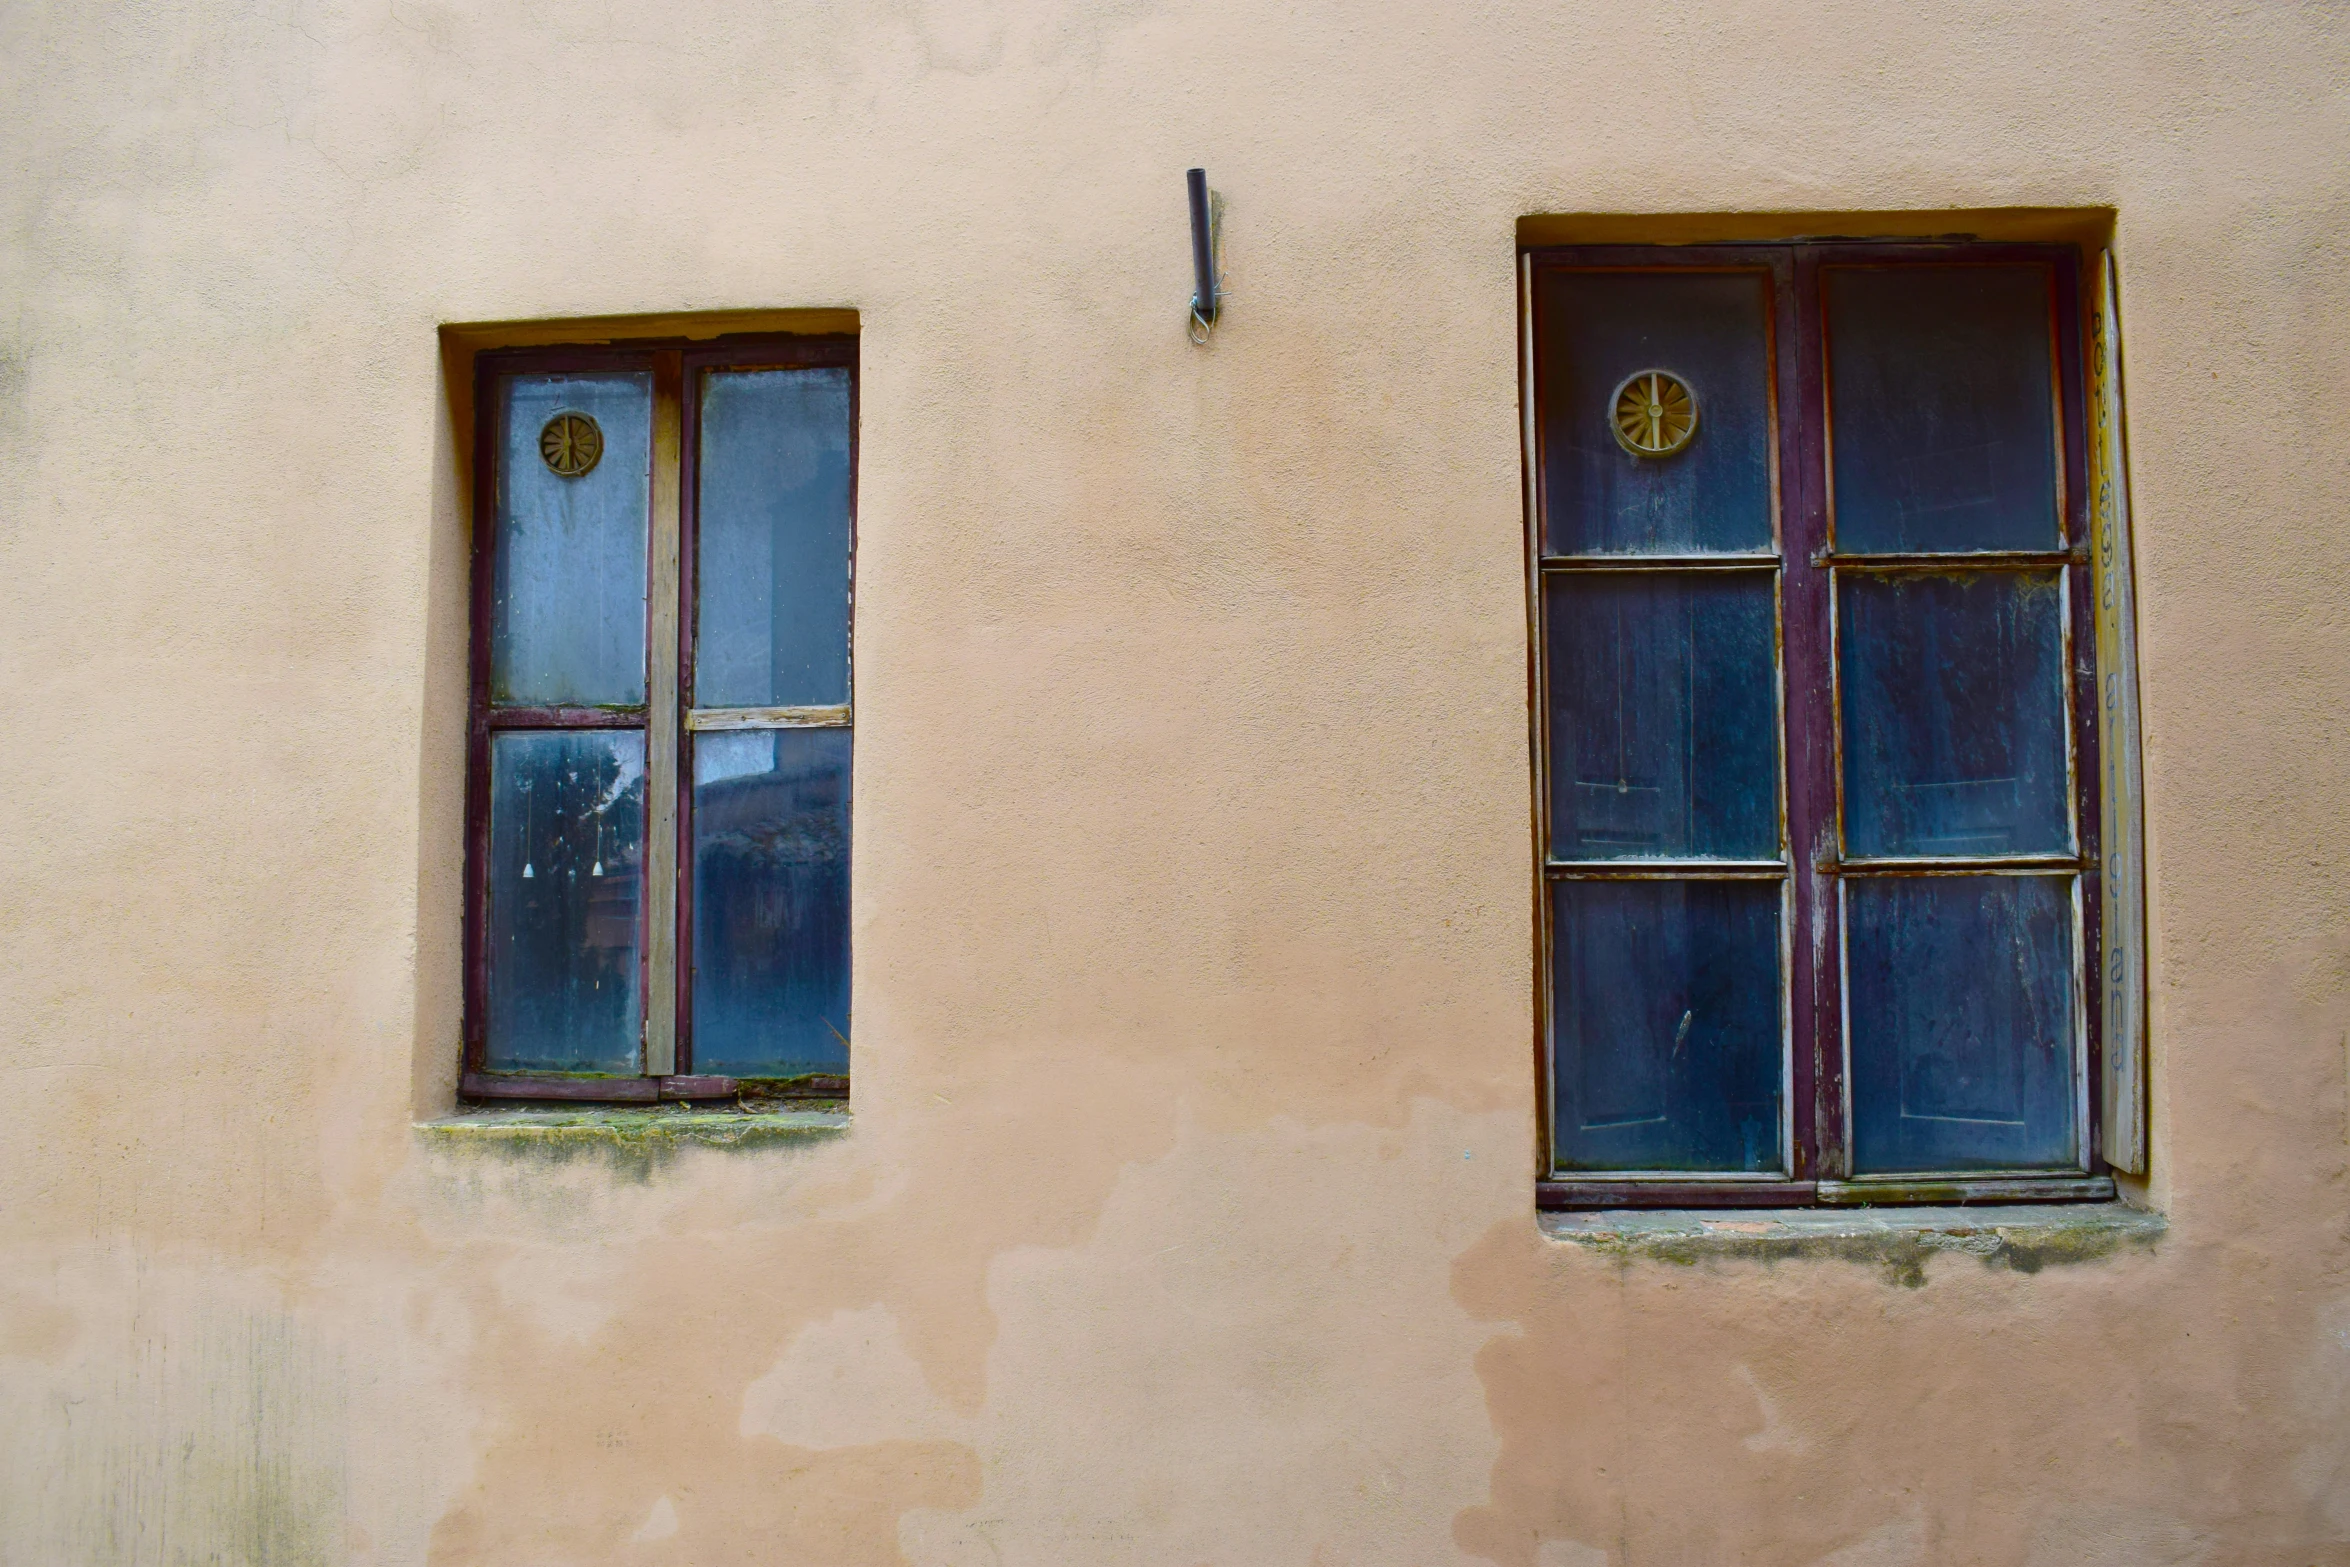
column 1186, row 1215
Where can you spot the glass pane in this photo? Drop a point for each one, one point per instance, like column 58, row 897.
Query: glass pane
column 567, row 832
column 1941, row 400
column 772, row 610
column 1961, row 990
column 1709, row 330
column 567, row 620
column 1667, row 1037
column 1954, row 737
column 771, row 902
column 1664, row 716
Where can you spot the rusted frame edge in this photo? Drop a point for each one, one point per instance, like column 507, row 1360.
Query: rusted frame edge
column 1562, row 1195
column 680, row 1086
column 1967, row 1190
column 1556, row 1194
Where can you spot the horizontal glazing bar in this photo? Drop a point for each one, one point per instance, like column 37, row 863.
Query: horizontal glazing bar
column 564, row 718
column 2014, row 865
column 1662, row 870
column 1977, row 560
column 703, row 720
column 1757, row 561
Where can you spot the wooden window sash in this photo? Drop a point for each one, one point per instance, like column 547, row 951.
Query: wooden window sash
column 2101, row 721
column 666, row 718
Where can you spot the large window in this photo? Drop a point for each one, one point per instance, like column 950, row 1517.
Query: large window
column 658, row 779
column 1817, row 770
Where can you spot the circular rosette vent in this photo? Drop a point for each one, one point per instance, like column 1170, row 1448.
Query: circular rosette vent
column 571, row 443
column 1655, row 414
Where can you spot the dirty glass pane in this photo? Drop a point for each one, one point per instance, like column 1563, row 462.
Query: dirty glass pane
column 1954, row 726
column 1710, row 330
column 1664, row 716
column 773, row 598
column 567, row 617
column 771, row 902
column 1667, row 1034
column 567, row 829
column 1961, row 998
column 1941, row 405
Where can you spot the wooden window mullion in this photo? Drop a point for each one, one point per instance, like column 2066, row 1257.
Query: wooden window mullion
column 1815, row 967
column 662, row 990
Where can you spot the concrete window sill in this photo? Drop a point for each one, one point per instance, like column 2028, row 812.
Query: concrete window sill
column 629, row 1131
column 2022, row 1238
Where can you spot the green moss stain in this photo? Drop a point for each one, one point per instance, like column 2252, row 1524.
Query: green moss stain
column 632, row 1143
column 214, row 1441
column 1900, row 1242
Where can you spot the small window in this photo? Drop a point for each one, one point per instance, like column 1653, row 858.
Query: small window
column 658, row 775
column 1818, row 786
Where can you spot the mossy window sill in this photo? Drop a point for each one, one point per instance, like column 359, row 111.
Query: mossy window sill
column 2024, row 1238
column 633, row 1131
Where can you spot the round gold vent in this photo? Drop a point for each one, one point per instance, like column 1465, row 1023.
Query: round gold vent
column 571, row 443
column 1655, row 414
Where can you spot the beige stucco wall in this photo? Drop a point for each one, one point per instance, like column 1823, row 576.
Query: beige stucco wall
column 1186, row 1215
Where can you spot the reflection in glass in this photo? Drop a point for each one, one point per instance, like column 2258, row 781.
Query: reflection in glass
column 1941, row 403
column 567, row 617
column 567, row 827
column 1954, row 714
column 1664, row 716
column 771, row 902
column 773, row 598
column 1961, row 996
column 1709, row 329
column 1666, row 1031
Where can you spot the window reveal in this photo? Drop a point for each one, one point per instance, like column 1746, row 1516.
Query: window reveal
column 659, row 777
column 1817, row 728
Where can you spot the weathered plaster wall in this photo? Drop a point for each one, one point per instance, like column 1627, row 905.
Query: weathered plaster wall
column 1185, row 1217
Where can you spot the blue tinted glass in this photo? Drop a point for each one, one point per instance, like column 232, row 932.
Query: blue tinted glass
column 567, row 618
column 1961, row 998
column 1664, row 716
column 1666, row 1038
column 1707, row 328
column 772, row 604
column 1942, row 407
column 1954, row 714
column 567, row 829
column 771, row 902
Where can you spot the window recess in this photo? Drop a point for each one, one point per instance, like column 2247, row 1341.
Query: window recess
column 1819, row 637
column 660, row 738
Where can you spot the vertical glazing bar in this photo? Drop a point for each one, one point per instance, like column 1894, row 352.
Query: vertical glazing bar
column 2121, row 960
column 661, row 724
